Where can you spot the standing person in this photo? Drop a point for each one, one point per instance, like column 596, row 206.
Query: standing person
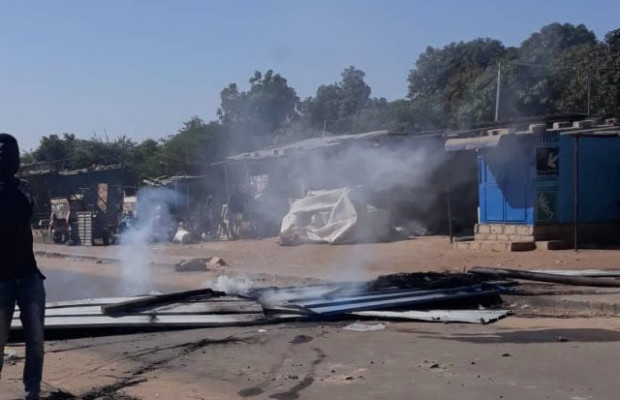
column 21, row 281
column 211, row 226
column 235, row 211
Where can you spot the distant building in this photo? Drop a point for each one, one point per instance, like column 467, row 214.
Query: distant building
column 557, row 183
column 100, row 186
column 406, row 173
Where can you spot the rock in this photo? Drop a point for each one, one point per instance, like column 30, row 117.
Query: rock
column 216, row 261
column 194, row 264
column 301, row 339
column 506, row 355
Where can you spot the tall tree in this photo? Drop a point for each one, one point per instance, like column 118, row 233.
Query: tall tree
column 335, row 106
column 195, row 144
column 443, row 78
column 257, row 117
column 55, row 148
column 547, row 64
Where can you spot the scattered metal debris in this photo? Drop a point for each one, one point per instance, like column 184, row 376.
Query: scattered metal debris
column 159, row 300
column 591, row 273
column 547, row 277
column 398, row 297
column 360, row 327
column 466, row 316
column 195, row 264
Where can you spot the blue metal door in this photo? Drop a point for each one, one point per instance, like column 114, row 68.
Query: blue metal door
column 490, row 193
column 505, row 187
column 516, row 194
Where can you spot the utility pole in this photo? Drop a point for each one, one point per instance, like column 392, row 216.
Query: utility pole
column 499, row 77
column 576, row 192
column 589, row 83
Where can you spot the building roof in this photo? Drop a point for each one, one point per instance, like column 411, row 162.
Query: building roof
column 473, row 143
column 57, row 167
column 304, row 145
column 472, row 138
column 596, row 132
column 590, row 128
column 167, row 180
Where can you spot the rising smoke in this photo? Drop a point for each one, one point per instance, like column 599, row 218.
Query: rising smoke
column 406, row 177
column 152, row 224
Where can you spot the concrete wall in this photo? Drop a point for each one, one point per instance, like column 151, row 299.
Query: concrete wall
column 599, row 179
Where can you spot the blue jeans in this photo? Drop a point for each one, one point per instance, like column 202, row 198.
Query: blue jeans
column 29, row 294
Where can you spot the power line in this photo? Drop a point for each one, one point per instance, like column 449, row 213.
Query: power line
column 522, row 64
column 564, row 66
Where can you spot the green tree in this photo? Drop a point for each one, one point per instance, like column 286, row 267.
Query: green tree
column 441, row 82
column 606, row 78
column 144, row 160
column 259, row 116
column 547, row 77
column 55, row 148
column 335, row 106
column 197, row 143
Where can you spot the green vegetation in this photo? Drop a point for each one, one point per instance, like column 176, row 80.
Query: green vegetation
column 452, row 87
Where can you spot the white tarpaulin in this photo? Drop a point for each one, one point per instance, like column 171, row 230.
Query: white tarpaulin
column 333, row 216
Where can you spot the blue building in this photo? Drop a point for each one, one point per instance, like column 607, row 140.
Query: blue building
column 541, row 184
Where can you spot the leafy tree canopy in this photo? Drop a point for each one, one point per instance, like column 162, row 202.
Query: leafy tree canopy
column 453, row 86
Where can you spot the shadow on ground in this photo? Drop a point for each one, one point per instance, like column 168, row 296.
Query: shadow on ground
column 534, row 336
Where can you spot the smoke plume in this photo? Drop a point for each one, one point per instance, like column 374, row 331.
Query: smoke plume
column 152, row 224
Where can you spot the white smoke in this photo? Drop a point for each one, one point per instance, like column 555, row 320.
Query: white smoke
column 237, row 285
column 151, row 225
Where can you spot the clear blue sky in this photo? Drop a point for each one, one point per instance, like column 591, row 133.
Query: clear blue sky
column 141, row 68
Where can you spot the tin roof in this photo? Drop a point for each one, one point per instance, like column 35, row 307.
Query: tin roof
column 473, row 143
column 305, row 145
column 493, row 137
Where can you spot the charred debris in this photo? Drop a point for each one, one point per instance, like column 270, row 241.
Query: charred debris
column 472, row 297
column 418, row 296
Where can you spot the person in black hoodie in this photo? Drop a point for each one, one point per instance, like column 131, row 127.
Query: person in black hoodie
column 21, row 282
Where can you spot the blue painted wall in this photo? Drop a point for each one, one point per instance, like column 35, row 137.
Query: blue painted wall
column 506, row 181
column 599, row 176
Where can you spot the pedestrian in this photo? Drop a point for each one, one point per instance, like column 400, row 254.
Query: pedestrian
column 210, row 228
column 236, row 205
column 21, row 282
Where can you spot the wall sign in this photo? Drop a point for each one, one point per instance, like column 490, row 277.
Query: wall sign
column 546, row 206
column 547, row 161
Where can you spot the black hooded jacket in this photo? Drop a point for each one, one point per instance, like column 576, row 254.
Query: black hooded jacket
column 16, row 256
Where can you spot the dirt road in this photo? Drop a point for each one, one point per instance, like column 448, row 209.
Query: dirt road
column 516, row 358
column 513, row 359
column 358, row 261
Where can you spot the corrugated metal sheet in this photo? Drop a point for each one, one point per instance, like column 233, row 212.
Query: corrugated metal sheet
column 466, row 316
column 305, row 145
column 473, row 143
column 379, row 301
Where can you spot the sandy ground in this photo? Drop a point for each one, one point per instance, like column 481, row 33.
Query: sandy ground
column 512, row 359
column 515, row 358
column 359, row 261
